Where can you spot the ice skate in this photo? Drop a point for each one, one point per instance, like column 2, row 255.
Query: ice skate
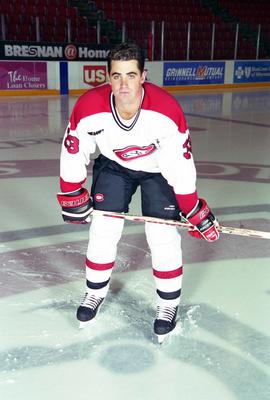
column 165, row 322
column 88, row 309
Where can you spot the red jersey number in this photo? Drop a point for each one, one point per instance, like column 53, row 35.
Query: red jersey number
column 188, row 148
column 72, row 144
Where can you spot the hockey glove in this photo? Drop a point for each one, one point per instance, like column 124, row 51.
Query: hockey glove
column 76, row 206
column 204, row 223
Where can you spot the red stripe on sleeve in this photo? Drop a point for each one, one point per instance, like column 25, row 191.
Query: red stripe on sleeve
column 168, row 274
column 98, row 267
column 70, row 186
column 187, row 202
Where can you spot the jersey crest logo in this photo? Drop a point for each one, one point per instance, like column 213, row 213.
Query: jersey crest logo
column 132, row 152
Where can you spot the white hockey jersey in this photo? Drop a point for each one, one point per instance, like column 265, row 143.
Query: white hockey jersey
column 155, row 140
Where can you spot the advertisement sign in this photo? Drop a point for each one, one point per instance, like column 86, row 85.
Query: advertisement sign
column 94, row 75
column 251, row 71
column 193, row 73
column 19, row 75
column 53, row 51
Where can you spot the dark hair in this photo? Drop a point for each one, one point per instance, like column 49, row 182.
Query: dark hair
column 126, row 52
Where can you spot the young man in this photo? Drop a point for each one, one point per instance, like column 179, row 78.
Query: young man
column 144, row 141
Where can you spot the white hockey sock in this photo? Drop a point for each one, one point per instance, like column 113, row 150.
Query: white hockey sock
column 168, row 303
column 98, row 292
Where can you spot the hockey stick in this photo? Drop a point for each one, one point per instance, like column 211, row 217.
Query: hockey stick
column 222, row 229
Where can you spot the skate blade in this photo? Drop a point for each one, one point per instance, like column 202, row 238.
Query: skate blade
column 162, row 338
column 83, row 325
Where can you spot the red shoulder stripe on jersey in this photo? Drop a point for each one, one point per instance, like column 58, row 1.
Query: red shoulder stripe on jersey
column 92, row 102
column 157, row 99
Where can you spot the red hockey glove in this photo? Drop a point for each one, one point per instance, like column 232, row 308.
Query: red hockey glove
column 204, row 223
column 76, row 206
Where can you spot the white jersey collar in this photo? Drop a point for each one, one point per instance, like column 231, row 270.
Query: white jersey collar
column 122, row 122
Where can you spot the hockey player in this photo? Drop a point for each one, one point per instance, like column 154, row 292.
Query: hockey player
column 143, row 139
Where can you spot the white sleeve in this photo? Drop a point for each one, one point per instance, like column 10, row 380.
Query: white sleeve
column 75, row 154
column 176, row 162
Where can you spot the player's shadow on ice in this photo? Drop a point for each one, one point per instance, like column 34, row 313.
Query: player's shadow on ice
column 121, row 351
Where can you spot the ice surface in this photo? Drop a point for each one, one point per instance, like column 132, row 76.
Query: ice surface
column 41, row 336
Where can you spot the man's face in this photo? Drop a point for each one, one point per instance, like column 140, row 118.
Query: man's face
column 126, row 81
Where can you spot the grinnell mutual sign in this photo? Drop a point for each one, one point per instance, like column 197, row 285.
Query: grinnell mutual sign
column 52, row 51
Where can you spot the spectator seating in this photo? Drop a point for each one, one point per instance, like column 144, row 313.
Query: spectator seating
column 177, row 16
column 20, row 21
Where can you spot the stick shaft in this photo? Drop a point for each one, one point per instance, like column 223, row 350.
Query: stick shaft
column 223, row 229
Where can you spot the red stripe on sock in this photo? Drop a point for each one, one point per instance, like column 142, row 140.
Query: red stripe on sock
column 168, row 274
column 98, row 267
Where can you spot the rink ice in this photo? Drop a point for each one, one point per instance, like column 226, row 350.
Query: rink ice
column 220, row 348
